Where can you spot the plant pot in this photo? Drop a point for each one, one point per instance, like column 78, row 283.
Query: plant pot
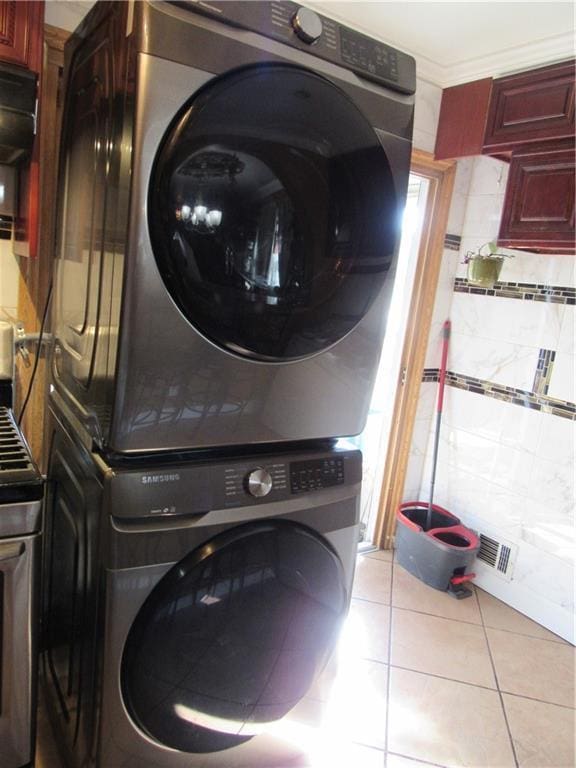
column 484, row 272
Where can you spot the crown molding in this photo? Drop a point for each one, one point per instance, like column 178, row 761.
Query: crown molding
column 509, row 60
column 493, row 64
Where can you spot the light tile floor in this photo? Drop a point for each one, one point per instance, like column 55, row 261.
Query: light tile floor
column 421, row 679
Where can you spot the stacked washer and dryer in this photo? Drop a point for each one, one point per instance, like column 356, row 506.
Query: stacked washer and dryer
column 232, row 182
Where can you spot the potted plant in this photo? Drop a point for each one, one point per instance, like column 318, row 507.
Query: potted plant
column 484, row 265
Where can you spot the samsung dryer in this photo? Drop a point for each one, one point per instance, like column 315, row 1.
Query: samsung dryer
column 233, row 176
column 188, row 608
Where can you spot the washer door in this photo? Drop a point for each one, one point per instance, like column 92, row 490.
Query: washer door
column 272, row 213
column 233, row 636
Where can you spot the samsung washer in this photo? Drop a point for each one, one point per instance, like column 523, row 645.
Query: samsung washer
column 232, row 183
column 189, row 607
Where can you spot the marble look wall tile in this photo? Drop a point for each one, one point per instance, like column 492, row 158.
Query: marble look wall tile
column 473, row 413
column 434, row 349
column 459, row 200
column 498, row 464
column 489, row 176
column 426, row 401
column 550, row 578
column 562, row 378
column 553, row 483
column 498, row 361
column 423, row 140
column 557, row 441
column 426, row 111
column 522, row 427
column 471, row 496
column 483, row 215
column 547, row 610
column 417, row 454
column 549, row 529
column 539, row 268
column 567, row 331
column 529, row 323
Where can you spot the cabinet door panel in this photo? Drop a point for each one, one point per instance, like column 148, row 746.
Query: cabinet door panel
column 21, row 32
column 539, row 205
column 533, row 106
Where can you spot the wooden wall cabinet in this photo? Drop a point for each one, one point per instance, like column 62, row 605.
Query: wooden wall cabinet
column 21, row 33
column 532, row 106
column 21, row 37
column 539, row 204
column 528, row 120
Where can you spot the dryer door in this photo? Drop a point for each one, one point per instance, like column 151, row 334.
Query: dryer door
column 233, row 636
column 272, row 212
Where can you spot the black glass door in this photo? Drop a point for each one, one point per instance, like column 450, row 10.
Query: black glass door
column 272, row 213
column 233, row 636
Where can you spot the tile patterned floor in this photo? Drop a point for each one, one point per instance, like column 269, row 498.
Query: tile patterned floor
column 421, row 679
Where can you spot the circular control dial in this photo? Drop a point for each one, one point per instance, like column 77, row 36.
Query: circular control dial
column 258, row 483
column 307, row 25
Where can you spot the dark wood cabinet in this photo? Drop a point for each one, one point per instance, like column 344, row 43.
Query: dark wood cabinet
column 462, row 122
column 528, row 120
column 530, row 107
column 538, row 210
column 21, row 32
column 494, row 116
column 21, row 38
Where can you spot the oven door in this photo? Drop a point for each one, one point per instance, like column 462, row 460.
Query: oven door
column 17, row 648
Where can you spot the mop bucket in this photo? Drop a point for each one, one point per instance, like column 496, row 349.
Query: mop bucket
column 440, row 554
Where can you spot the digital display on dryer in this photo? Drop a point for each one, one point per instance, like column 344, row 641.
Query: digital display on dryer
column 313, row 475
column 368, row 55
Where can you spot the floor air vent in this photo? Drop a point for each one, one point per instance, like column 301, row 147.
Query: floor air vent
column 498, row 555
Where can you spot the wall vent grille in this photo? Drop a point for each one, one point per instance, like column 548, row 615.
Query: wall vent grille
column 499, row 556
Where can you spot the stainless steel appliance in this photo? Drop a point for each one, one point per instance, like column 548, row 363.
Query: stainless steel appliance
column 189, row 606
column 233, row 178
column 20, row 519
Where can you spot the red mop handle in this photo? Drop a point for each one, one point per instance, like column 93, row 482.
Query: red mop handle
column 446, row 337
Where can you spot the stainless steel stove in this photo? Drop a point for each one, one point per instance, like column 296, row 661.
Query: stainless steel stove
column 20, row 520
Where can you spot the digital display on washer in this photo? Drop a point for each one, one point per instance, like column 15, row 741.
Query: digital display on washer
column 315, row 474
column 368, row 55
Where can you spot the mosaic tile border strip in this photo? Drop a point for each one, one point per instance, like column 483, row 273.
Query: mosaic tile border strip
column 452, row 242
column 546, row 359
column 553, row 294
column 533, row 400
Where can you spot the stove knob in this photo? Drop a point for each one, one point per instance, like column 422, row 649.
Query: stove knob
column 307, row 25
column 258, row 483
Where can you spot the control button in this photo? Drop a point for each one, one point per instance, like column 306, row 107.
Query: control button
column 258, row 483
column 307, row 25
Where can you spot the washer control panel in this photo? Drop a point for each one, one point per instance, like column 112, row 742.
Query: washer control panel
column 314, row 474
column 196, row 487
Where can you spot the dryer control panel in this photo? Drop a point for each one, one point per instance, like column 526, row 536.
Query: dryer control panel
column 303, row 28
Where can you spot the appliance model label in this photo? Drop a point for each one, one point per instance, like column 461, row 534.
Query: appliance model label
column 173, row 477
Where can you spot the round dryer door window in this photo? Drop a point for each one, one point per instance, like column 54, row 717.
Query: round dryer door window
column 233, row 636
column 272, row 213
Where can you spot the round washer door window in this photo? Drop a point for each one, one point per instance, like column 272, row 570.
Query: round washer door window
column 272, row 213
column 233, row 636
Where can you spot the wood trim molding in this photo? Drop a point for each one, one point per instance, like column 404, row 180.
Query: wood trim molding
column 55, row 38
column 36, row 274
column 440, row 174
